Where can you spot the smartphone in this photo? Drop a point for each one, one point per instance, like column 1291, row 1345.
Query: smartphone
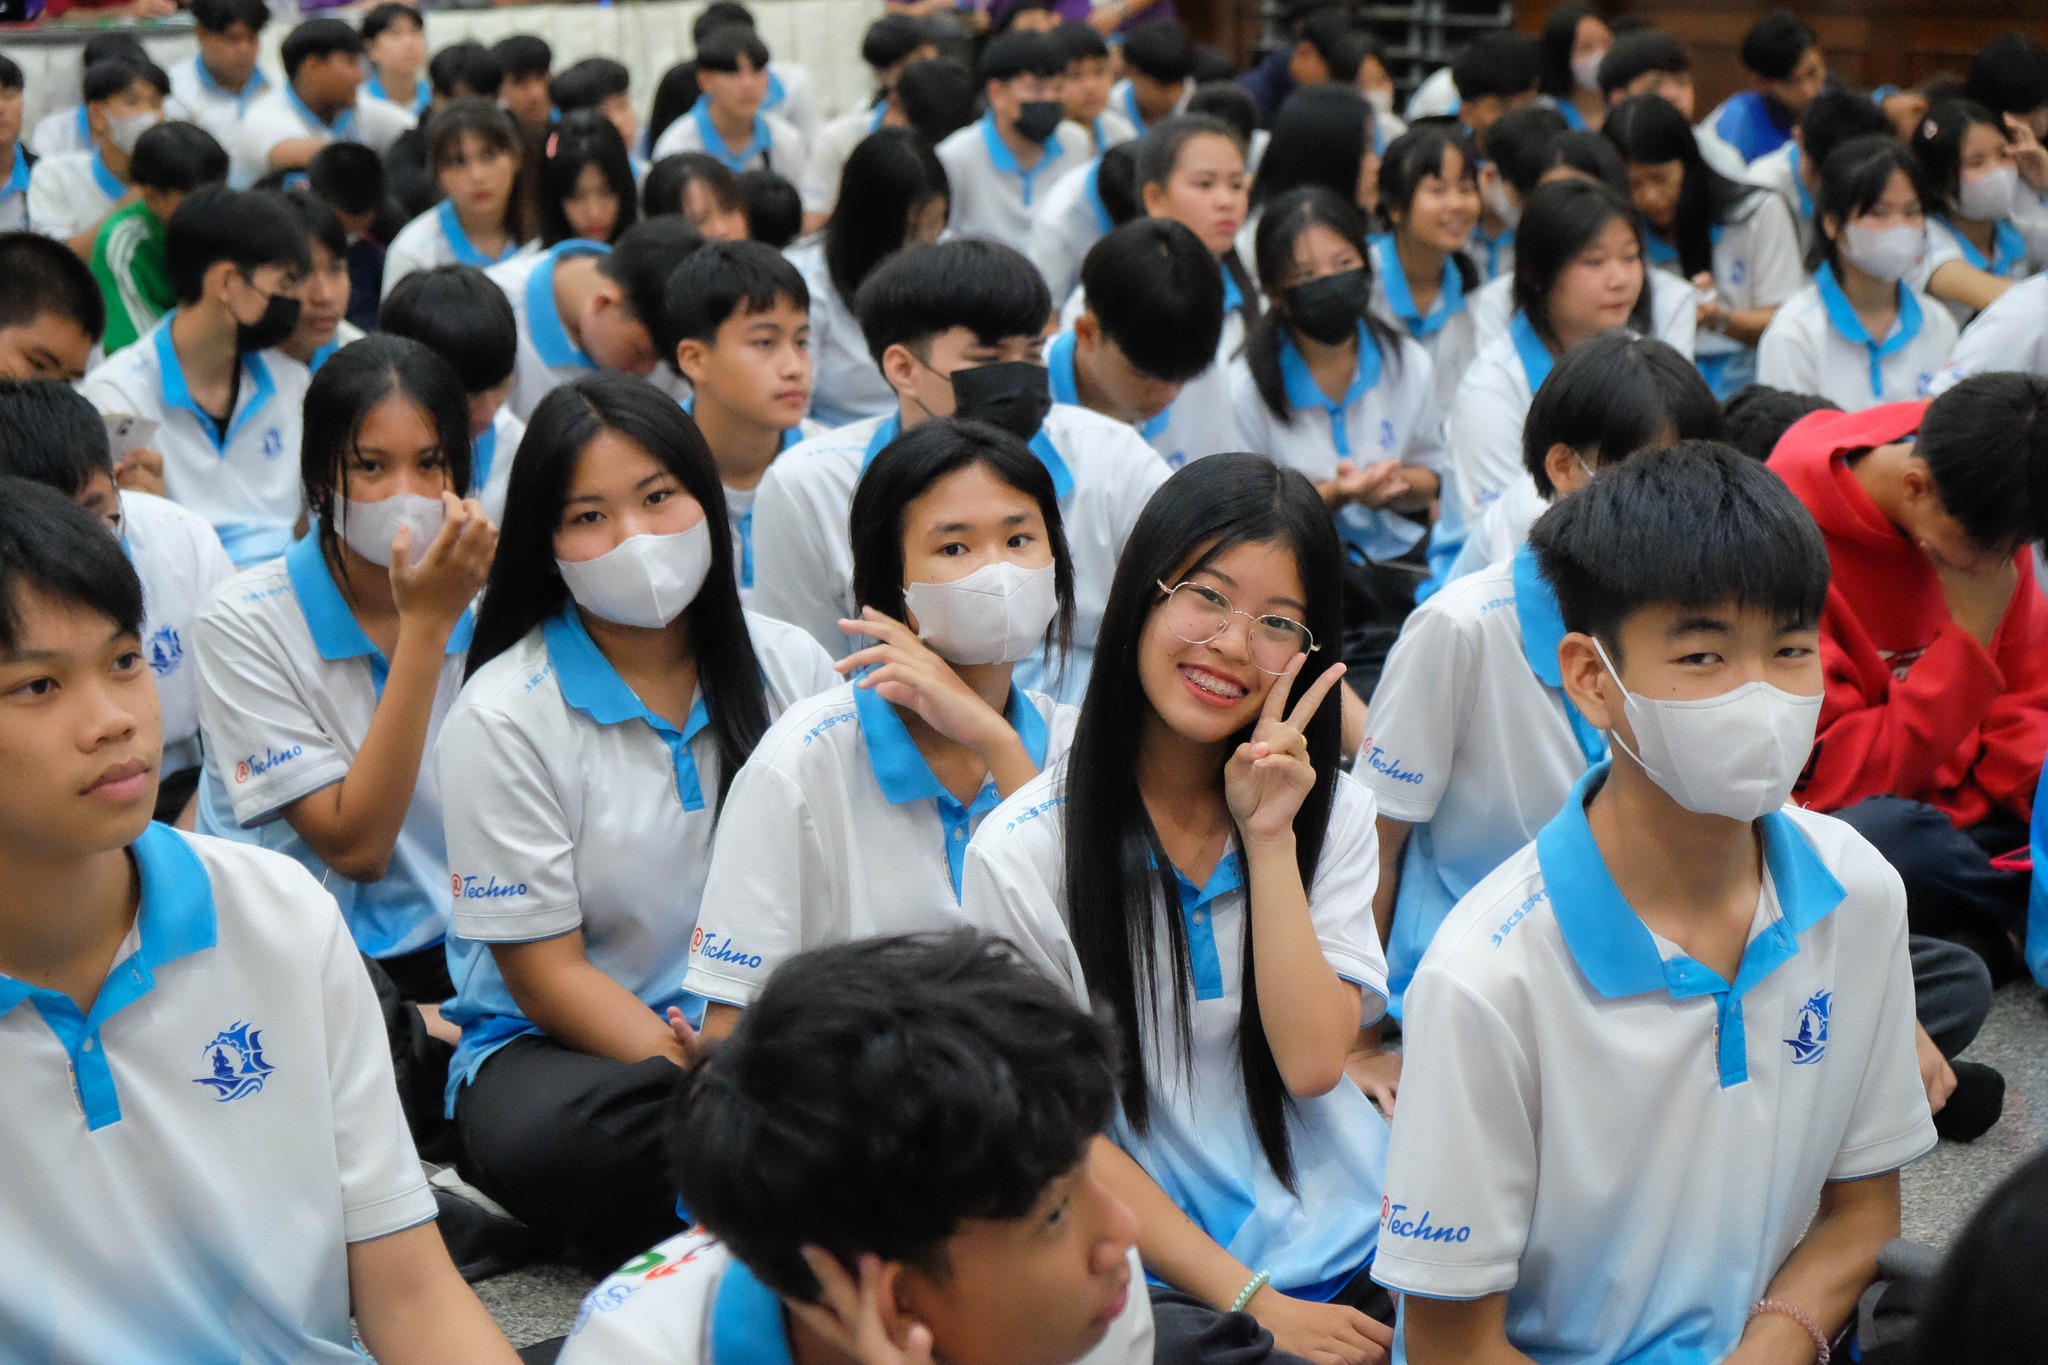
column 126, row 435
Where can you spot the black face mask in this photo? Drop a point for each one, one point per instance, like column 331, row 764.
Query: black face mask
column 1013, row 394
column 280, row 319
column 1328, row 310
column 1039, row 119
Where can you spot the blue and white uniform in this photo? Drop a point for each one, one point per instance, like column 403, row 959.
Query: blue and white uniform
column 1446, row 331
column 2012, row 334
column 774, row 145
column 1198, row 422
column 1123, row 98
column 1201, row 1148
column 547, row 356
column 1110, row 128
column 846, row 384
column 1756, row 265
column 422, row 93
column 288, row 686
column 490, row 463
column 573, row 808
column 244, row 480
column 1750, row 123
column 2011, row 258
column 1780, row 172
column 229, row 1098
column 837, row 830
column 436, row 238
column 1816, row 344
column 1389, row 413
column 994, row 197
column 69, row 193
column 279, row 115
column 739, row 505
column 181, row 564
column 803, row 563
column 62, row 131
column 1484, row 426
column 1621, row 1141
column 196, row 97
column 1067, row 222
column 14, row 190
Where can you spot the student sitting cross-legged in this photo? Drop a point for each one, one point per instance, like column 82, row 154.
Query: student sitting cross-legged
column 1660, row 1064
column 193, row 1054
column 967, row 1219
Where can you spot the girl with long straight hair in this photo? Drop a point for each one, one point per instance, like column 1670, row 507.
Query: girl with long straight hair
column 1423, row 281
column 1200, row 868
column 615, row 687
column 586, row 182
column 474, row 150
column 1975, row 248
column 1573, row 41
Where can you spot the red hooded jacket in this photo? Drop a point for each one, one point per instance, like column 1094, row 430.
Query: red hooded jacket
column 1915, row 706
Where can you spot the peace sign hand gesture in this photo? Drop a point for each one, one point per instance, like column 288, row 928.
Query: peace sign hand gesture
column 1269, row 776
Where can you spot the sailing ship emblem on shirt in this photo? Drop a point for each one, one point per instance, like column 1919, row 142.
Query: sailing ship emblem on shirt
column 1810, row 1044
column 235, row 1063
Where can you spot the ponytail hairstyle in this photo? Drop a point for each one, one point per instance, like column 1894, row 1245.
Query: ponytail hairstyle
column 1285, row 220
column 1649, row 131
column 1413, row 157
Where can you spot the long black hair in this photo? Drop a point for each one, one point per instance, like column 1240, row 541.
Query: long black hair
column 889, row 178
column 1117, row 872
column 1320, row 137
column 1938, row 146
column 1560, row 220
column 584, row 138
column 1285, row 220
column 1649, row 131
column 526, row 587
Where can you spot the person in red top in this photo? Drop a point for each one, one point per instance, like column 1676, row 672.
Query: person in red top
column 1934, row 641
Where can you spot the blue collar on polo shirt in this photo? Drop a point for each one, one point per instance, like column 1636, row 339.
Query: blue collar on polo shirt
column 1092, row 187
column 1616, row 950
column 777, row 92
column 1233, row 294
column 1006, row 161
column 174, row 919
column 591, row 685
column 1041, row 445
column 1662, row 252
column 1450, row 297
column 84, row 127
column 544, row 325
column 1799, row 184
column 1492, row 246
column 110, row 184
column 321, row 356
column 1530, row 350
column 1542, row 632
column 17, row 179
column 458, row 241
column 1198, row 917
column 1304, row 393
column 422, row 96
column 336, row 633
column 880, row 114
column 257, row 389
column 1843, row 319
column 714, row 142
column 251, row 88
column 1574, row 121
column 2007, row 246
column 904, row 776
column 1059, row 370
column 343, row 129
column 746, row 1321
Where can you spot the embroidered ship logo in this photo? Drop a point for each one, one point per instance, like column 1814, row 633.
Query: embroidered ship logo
column 1811, row 1044
column 236, row 1058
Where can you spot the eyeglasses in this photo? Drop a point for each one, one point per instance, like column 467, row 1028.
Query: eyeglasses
column 1198, row 615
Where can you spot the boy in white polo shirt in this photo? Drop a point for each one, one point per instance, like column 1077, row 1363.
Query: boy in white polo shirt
column 1661, row 1068
column 322, row 100
column 225, row 403
column 1000, row 166
column 51, row 311
column 964, row 1221
column 195, row 1058
column 71, row 194
column 216, row 85
column 728, row 122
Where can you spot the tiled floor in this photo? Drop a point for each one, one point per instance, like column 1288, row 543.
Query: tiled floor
column 1940, row 1192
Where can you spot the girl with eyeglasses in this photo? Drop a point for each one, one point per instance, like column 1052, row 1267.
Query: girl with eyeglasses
column 1198, row 865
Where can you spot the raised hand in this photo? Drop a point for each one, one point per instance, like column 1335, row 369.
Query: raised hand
column 1269, row 776
column 849, row 1315
column 451, row 573
column 908, row 672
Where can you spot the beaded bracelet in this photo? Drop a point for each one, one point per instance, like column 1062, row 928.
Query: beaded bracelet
column 1260, row 1281
column 1800, row 1316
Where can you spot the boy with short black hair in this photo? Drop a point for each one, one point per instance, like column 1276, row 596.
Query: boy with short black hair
column 775, row 212
column 458, row 313
column 730, row 121
column 322, row 101
column 789, row 83
column 1159, row 74
column 67, row 129
column 1831, row 119
column 171, row 161
column 586, row 306
column 955, row 327
column 1652, row 62
column 15, row 157
column 1788, row 69
column 71, row 194
column 1704, row 986
column 1151, row 320
column 51, row 312
column 964, row 1221
column 215, row 86
column 526, row 59
column 395, row 51
column 166, row 1001
column 604, row 85
column 349, row 178
column 1757, row 416
column 1495, row 73
column 1000, row 167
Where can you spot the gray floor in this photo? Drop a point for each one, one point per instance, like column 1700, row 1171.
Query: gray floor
column 1940, row 1192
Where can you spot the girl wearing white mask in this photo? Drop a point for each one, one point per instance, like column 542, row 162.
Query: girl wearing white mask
column 615, row 687
column 1574, row 40
column 1860, row 335
column 853, row 816
column 1975, row 249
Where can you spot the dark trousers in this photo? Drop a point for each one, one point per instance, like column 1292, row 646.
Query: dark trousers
column 1952, row 890
column 1951, row 992
column 418, row 1059
column 572, row 1146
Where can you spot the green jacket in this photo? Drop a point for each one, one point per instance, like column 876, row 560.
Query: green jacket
column 128, row 261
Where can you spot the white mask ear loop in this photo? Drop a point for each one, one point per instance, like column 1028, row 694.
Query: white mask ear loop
column 1615, row 673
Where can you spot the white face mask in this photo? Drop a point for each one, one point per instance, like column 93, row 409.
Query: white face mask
column 1883, row 253
column 1586, row 71
column 996, row 615
column 1736, row 755
column 645, row 581
column 1989, row 197
column 1503, row 207
column 126, row 132
column 1382, row 102
column 368, row 527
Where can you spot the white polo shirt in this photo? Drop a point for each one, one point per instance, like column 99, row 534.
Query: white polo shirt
column 688, row 1301
column 436, row 238
column 1674, row 312
column 288, row 685
column 1816, row 344
column 2010, row 258
column 1198, row 422
column 1201, row 1148
column 837, row 830
column 993, row 196
column 1607, row 1131
column 1779, row 172
column 196, row 97
column 246, row 482
column 279, row 115
column 61, row 131
column 547, row 356
column 1473, row 743
column 739, row 505
column 846, row 384
column 1069, row 220
column 826, row 160
column 1112, row 128
column 490, row 463
column 775, row 145
column 180, row 562
column 71, row 192
column 1388, row 413
column 571, row 806
column 1124, row 100
column 1483, row 429
column 187, row 1162
column 14, row 192
column 803, row 562
column 1446, row 331
column 2012, row 334
column 791, row 99
column 1757, row 264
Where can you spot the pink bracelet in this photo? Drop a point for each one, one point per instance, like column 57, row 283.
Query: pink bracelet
column 1800, row 1316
